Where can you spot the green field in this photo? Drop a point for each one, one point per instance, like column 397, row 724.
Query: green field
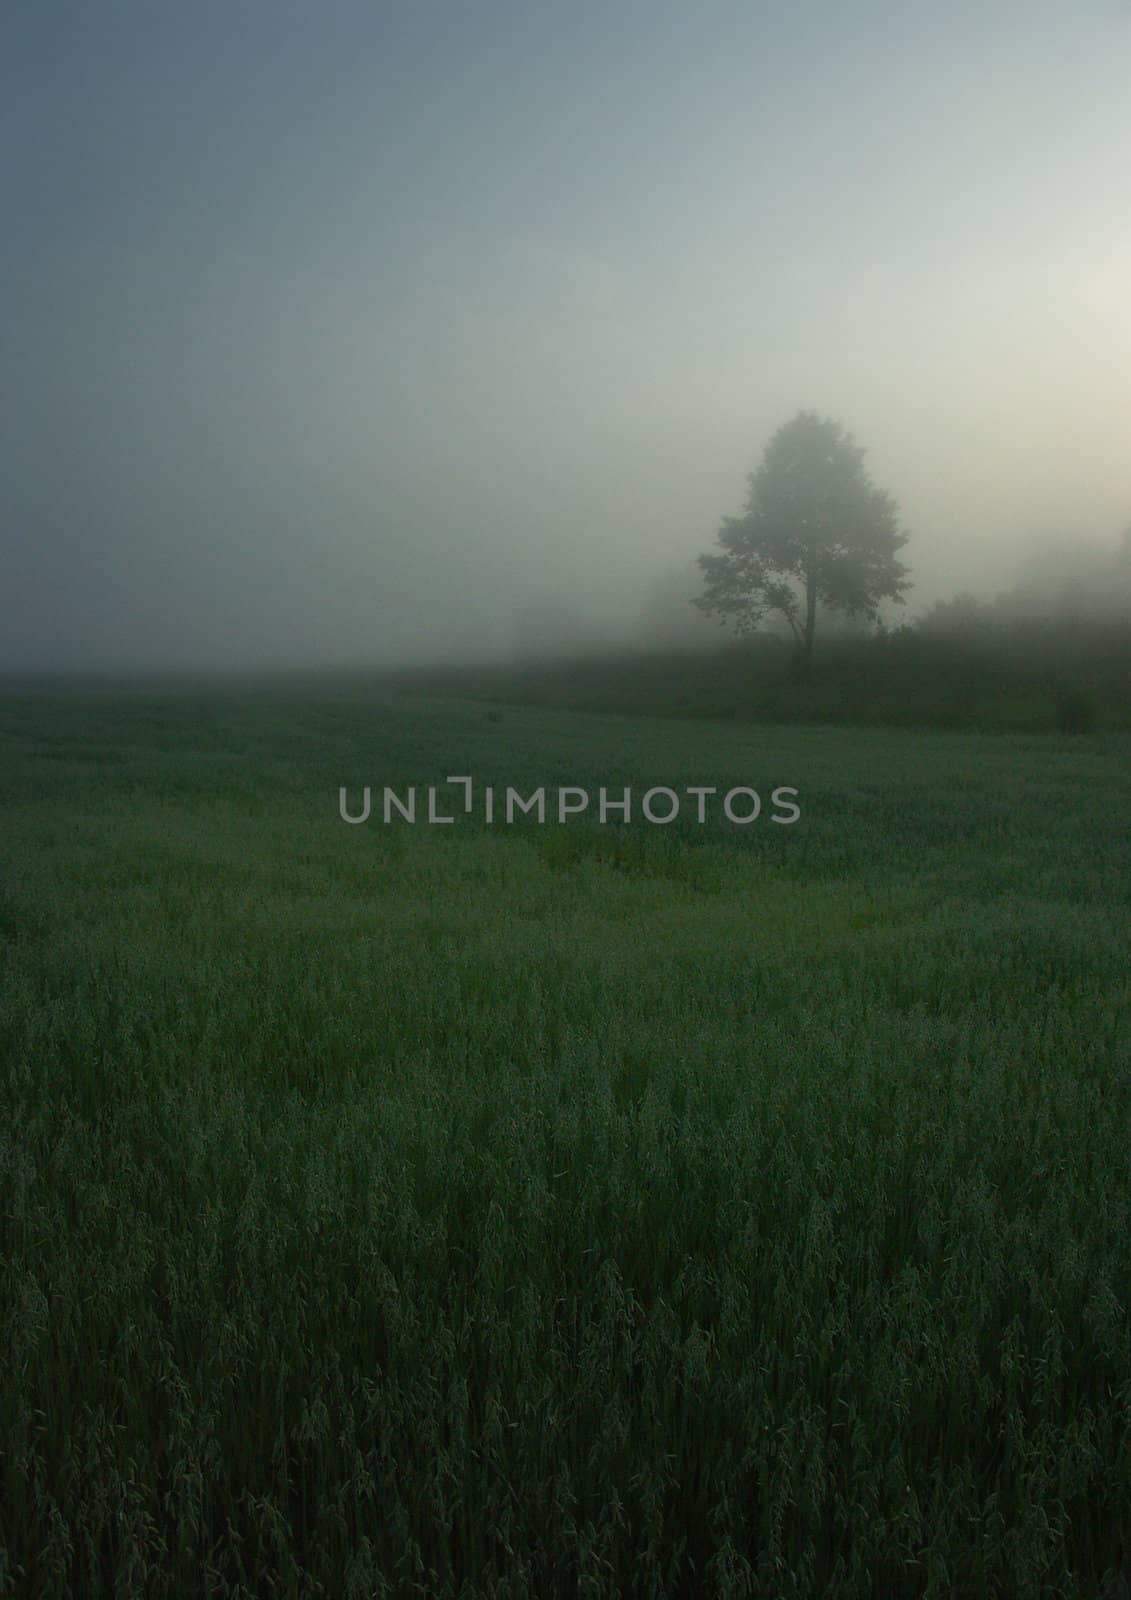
column 1004, row 678
column 518, row 1210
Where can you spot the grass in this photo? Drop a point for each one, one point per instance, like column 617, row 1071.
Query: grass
column 559, row 1210
column 1026, row 676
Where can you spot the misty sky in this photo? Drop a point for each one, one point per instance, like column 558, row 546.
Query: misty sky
column 347, row 332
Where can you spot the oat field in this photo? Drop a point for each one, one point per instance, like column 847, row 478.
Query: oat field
column 566, row 1210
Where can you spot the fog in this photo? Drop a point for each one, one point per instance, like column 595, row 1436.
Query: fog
column 373, row 334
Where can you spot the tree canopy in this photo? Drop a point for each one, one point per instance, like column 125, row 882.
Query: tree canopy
column 816, row 532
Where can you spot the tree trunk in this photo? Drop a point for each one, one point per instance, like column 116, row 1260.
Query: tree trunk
column 805, row 662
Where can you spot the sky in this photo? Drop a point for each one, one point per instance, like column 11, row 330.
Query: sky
column 367, row 333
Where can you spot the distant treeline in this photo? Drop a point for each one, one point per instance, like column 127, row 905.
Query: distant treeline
column 963, row 665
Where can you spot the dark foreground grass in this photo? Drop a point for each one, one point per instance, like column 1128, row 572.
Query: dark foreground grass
column 520, row 1211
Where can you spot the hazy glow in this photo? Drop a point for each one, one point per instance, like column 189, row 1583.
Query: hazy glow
column 362, row 332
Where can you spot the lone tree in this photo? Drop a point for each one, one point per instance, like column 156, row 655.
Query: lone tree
column 816, row 529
